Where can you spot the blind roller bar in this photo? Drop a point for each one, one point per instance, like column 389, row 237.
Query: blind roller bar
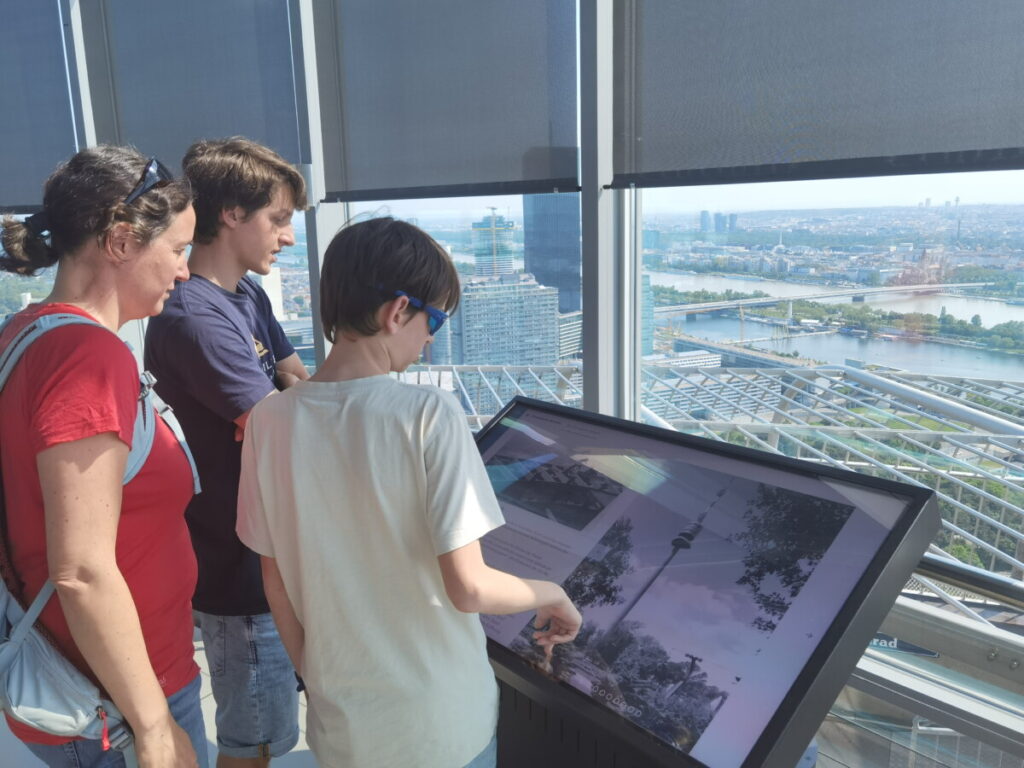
column 1010, row 158
column 533, row 187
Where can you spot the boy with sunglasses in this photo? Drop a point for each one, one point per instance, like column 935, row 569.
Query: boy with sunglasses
column 367, row 498
column 216, row 350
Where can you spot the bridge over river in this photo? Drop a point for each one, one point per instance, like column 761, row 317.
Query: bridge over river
column 710, row 306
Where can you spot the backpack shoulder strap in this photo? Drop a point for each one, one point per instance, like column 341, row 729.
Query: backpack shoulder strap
column 152, row 407
column 145, row 422
column 167, row 414
column 29, row 334
column 9, row 358
column 144, row 431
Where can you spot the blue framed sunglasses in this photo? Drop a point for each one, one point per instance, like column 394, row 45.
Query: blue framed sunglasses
column 435, row 317
column 155, row 174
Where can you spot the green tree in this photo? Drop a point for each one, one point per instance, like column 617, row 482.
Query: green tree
column 13, row 286
column 965, row 553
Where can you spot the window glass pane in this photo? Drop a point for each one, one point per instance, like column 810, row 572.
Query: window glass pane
column 17, row 291
column 876, row 324
column 287, row 285
column 519, row 323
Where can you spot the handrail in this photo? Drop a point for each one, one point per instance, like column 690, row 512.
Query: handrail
column 977, row 580
column 980, row 717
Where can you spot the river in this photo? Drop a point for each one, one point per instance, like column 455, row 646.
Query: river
column 916, row 356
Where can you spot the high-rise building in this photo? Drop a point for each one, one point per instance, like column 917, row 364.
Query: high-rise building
column 551, row 244
column 510, row 320
column 492, row 246
column 720, row 223
column 705, row 221
column 570, row 335
column 732, row 222
column 439, row 351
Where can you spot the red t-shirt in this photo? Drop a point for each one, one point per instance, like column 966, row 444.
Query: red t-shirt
column 75, row 382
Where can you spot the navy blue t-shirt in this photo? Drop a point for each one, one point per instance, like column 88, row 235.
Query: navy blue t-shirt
column 214, row 354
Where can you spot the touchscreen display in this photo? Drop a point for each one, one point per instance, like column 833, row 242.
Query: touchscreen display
column 705, row 581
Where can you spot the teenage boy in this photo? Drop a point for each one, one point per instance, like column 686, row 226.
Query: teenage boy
column 367, row 498
column 217, row 350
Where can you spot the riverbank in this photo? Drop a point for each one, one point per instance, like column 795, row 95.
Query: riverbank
column 993, row 310
column 918, row 356
column 963, row 343
column 889, row 334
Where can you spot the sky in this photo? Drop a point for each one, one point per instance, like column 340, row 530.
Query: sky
column 695, row 606
column 972, row 189
column 453, row 208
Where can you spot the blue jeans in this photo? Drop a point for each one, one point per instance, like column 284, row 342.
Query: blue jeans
column 253, row 684
column 488, row 758
column 185, row 710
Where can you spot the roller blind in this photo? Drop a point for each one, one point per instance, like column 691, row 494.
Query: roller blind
column 37, row 129
column 191, row 69
column 739, row 90
column 450, row 97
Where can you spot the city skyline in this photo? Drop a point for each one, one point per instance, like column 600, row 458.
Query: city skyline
column 976, row 188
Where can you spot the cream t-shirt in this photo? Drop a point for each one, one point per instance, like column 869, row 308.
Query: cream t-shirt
column 355, row 488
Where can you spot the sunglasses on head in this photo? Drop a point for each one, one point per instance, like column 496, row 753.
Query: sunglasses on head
column 435, row 317
column 154, row 175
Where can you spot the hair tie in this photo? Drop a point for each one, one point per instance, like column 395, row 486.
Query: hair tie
column 38, row 223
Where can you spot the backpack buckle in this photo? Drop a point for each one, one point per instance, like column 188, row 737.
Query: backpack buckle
column 120, row 737
column 146, row 383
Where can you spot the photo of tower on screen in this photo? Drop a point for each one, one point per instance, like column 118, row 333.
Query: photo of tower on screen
column 678, row 602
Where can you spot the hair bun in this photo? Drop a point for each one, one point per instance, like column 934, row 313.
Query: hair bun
column 38, row 223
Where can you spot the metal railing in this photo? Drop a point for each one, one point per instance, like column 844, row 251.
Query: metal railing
column 963, row 438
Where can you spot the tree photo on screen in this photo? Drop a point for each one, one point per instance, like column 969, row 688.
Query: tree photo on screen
column 676, row 601
column 596, row 580
column 786, row 536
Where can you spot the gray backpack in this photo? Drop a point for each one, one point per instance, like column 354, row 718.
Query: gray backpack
column 39, row 687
